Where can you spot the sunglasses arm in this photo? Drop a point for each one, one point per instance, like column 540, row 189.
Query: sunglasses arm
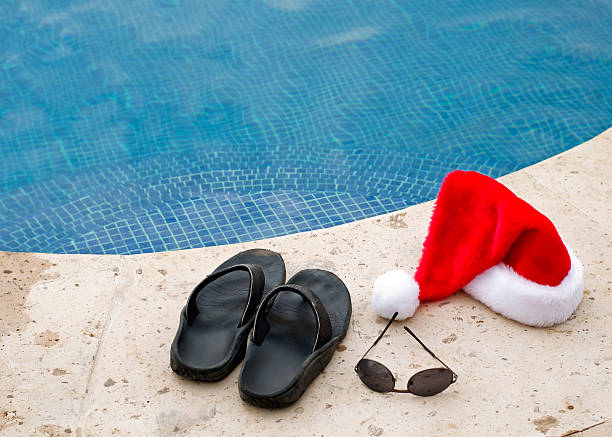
column 431, row 353
column 378, row 339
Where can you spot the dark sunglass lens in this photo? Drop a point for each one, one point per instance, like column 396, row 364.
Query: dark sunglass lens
column 375, row 376
column 430, row 382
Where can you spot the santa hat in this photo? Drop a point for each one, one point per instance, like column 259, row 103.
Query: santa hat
column 496, row 247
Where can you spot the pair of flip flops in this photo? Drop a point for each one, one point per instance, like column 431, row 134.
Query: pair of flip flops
column 286, row 332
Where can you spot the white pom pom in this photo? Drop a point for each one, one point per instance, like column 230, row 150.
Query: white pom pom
column 395, row 291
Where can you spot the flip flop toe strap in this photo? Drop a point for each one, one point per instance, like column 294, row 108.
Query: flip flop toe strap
column 261, row 327
column 255, row 291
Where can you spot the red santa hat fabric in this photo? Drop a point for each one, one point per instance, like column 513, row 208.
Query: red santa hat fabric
column 485, row 240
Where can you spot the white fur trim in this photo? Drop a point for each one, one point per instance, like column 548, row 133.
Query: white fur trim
column 395, row 291
column 508, row 293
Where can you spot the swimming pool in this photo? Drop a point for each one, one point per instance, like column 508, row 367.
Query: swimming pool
column 129, row 127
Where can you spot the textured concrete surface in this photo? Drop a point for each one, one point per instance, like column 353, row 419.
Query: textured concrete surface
column 84, row 340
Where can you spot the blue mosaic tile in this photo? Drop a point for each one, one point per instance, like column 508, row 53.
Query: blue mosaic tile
column 130, row 127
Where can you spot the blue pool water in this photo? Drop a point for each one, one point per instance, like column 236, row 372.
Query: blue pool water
column 149, row 125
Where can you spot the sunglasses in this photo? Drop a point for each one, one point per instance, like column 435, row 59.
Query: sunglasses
column 427, row 382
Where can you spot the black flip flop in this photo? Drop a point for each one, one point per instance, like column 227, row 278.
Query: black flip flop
column 297, row 329
column 214, row 326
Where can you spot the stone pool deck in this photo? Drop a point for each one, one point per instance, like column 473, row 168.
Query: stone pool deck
column 84, row 340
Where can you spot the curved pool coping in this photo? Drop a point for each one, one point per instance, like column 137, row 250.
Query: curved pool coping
column 87, row 336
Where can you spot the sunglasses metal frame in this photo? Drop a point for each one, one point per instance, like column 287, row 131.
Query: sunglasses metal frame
column 394, row 390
